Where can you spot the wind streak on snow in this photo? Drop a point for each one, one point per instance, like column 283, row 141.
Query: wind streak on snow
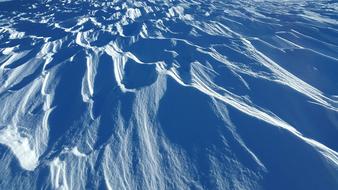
column 229, row 98
column 289, row 79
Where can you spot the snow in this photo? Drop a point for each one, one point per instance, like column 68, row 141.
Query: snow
column 181, row 94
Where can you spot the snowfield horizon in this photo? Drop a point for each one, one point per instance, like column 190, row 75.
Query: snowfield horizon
column 169, row 94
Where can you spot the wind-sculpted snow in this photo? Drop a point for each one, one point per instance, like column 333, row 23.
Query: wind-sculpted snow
column 169, row 94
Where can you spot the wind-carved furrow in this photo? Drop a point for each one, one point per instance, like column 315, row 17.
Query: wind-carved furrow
column 168, row 94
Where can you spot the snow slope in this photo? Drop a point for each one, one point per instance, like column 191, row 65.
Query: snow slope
column 169, row 94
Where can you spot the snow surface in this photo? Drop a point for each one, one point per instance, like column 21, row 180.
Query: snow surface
column 169, row 94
